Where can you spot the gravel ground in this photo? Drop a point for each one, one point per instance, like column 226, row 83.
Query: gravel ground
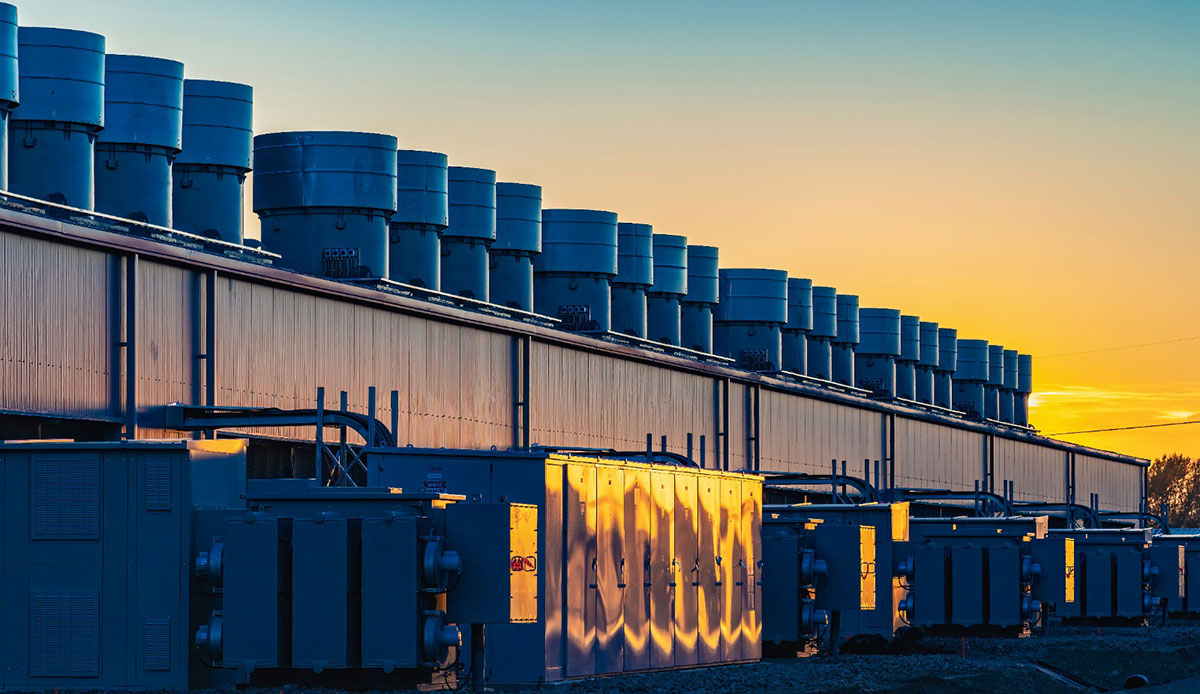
column 1165, row 655
column 1069, row 659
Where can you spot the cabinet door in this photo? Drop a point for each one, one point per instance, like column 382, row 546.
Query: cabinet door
column 750, row 590
column 638, row 585
column 687, row 571
column 731, row 568
column 1004, row 586
column 580, row 588
column 663, row 570
column 707, row 569
column 610, row 548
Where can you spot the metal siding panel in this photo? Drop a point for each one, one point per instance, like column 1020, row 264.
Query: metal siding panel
column 275, row 347
column 1037, row 471
column 803, row 434
column 932, row 455
column 165, row 323
column 735, row 437
column 56, row 327
column 1117, row 483
column 593, row 400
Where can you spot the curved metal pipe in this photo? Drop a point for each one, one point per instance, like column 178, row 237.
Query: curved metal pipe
column 200, row 418
column 802, row 479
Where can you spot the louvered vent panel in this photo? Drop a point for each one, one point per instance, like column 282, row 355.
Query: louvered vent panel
column 158, row 484
column 156, row 644
column 65, row 637
column 66, row 498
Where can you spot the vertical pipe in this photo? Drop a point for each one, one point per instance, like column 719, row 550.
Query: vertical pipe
column 664, row 443
column 319, row 462
column 131, row 413
column 702, row 450
column 649, row 445
column 342, row 402
column 689, row 446
column 725, row 423
column 526, row 393
column 515, row 381
column 757, row 431
column 1067, row 490
column 371, row 416
column 992, row 463
column 396, row 415
column 210, row 340
column 196, row 326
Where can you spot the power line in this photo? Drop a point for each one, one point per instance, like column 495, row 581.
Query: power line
column 1139, row 426
column 1114, row 349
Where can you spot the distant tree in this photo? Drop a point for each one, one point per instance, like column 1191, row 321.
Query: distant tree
column 1175, row 481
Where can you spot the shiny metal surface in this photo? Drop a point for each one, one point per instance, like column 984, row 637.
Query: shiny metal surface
column 688, row 574
column 639, row 574
column 706, row 571
column 611, row 569
column 732, row 568
column 751, row 570
column 553, row 570
column 582, row 565
column 664, row 577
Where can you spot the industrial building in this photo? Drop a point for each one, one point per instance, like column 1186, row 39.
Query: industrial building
column 449, row 311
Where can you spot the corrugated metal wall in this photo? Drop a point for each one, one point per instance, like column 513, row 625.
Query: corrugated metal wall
column 167, row 337
column 593, row 400
column 1039, row 473
column 61, row 326
column 930, row 455
column 55, row 326
column 805, row 435
column 740, row 399
column 1118, row 485
column 277, row 346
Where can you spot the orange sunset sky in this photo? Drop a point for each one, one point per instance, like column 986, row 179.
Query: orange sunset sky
column 1024, row 171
